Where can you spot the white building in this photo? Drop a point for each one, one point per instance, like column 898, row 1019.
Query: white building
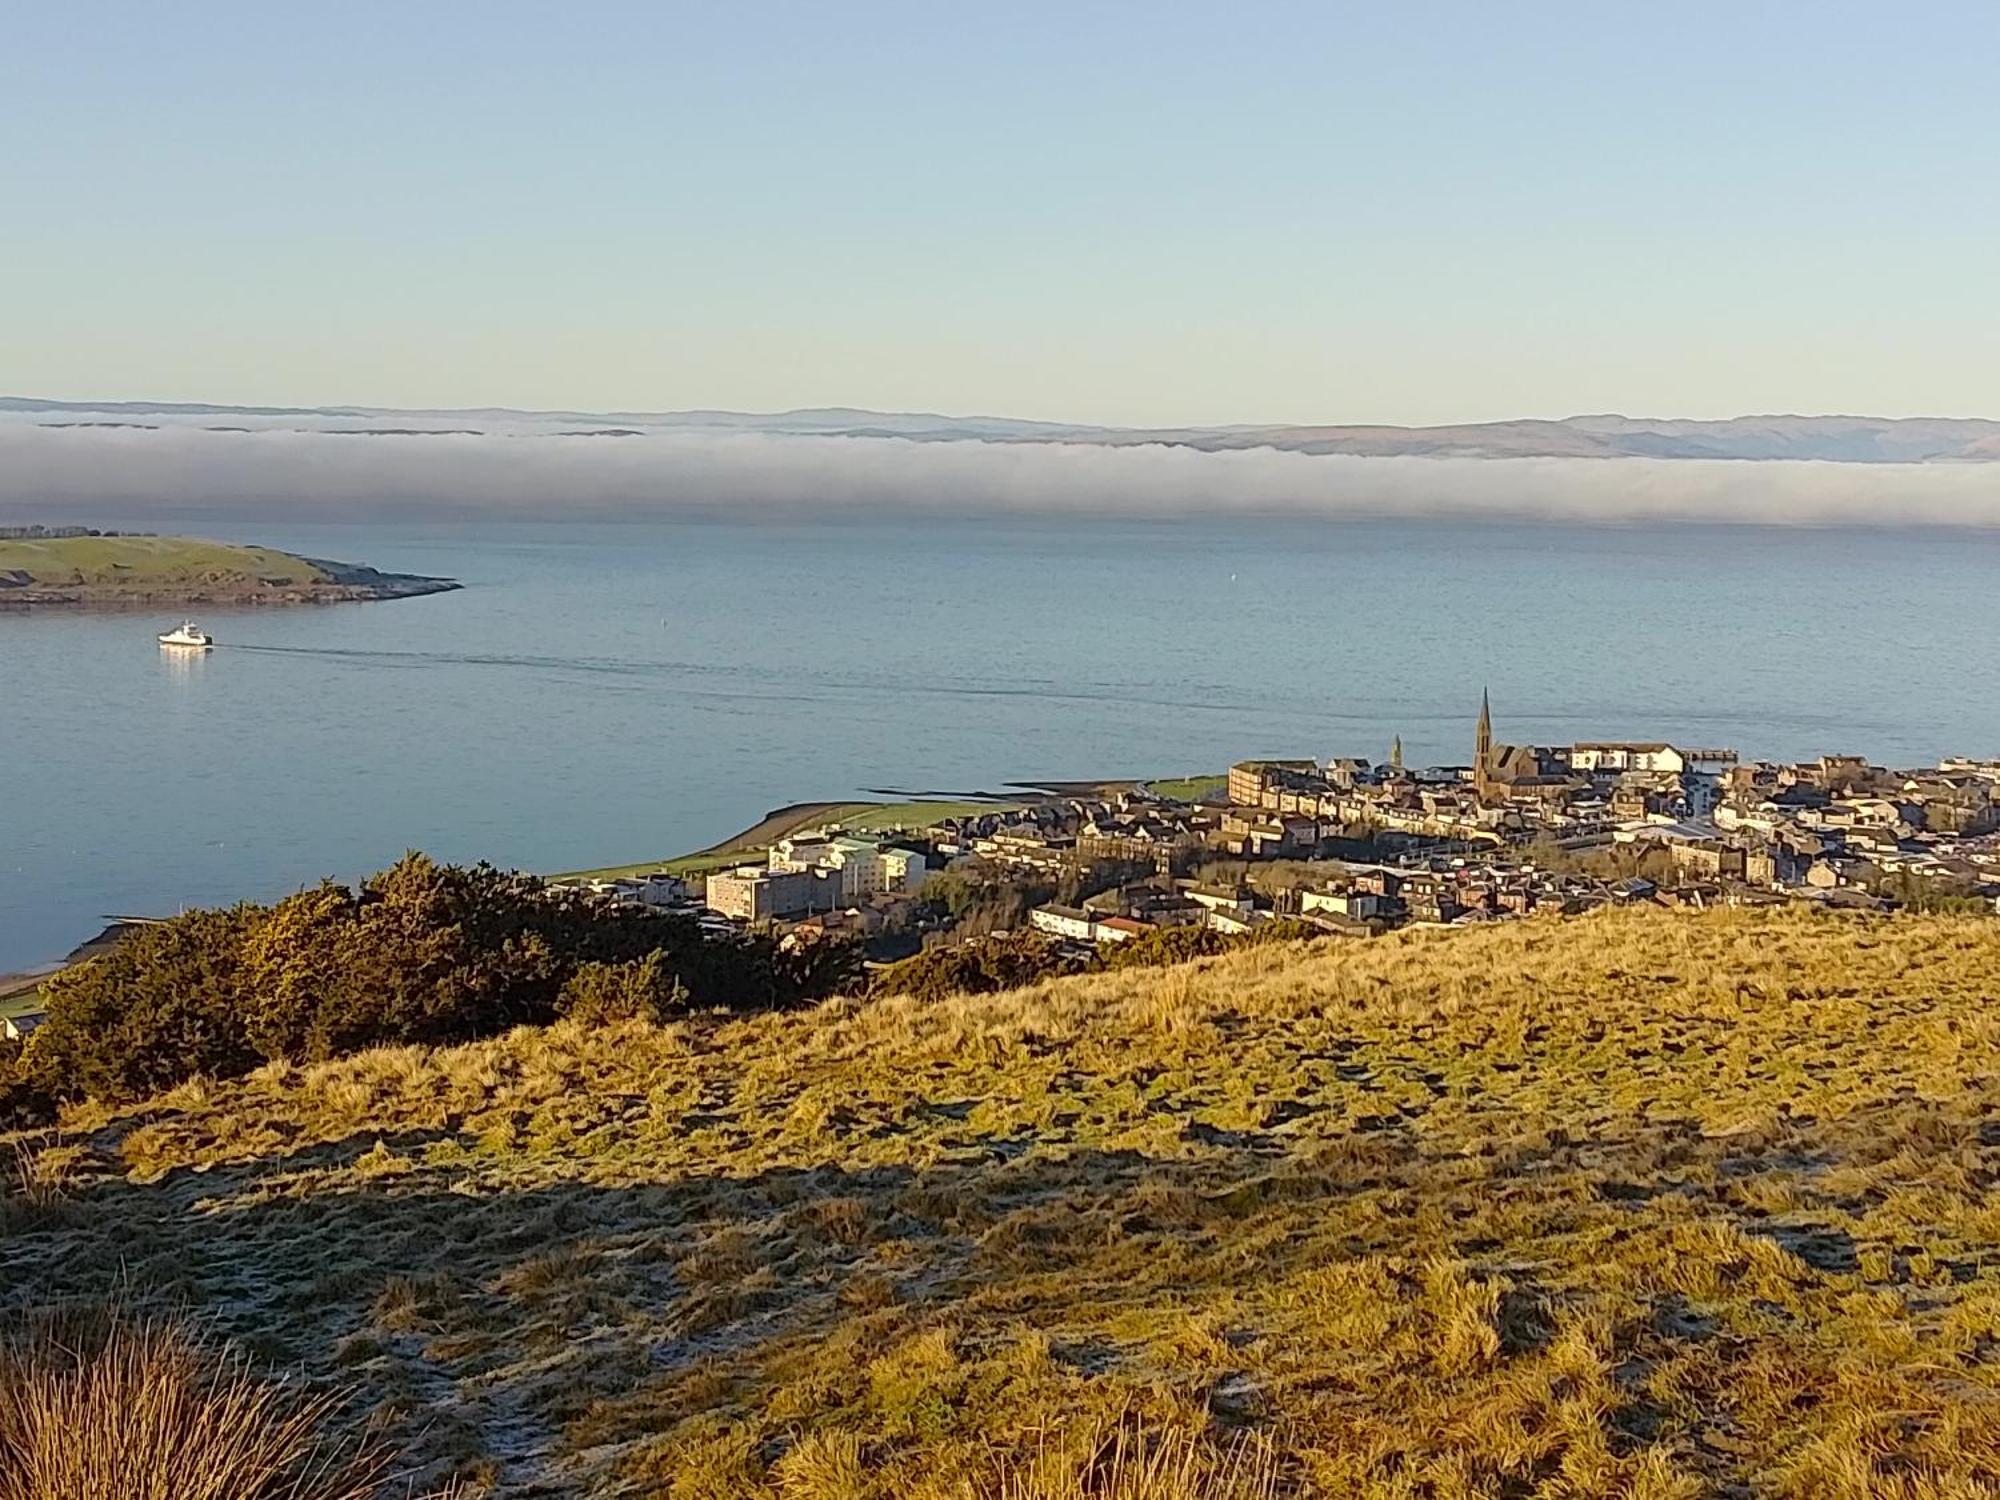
column 655, row 889
column 1608, row 756
column 1219, row 898
column 1645, row 755
column 752, row 893
column 866, row 867
column 903, row 869
column 1358, row 905
column 1064, row 922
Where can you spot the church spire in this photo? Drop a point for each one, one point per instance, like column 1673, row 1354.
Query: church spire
column 1396, row 753
column 1482, row 748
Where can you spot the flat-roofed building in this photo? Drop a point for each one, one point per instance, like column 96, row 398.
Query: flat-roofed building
column 756, row 893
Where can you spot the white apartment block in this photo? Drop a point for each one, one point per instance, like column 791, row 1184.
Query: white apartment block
column 866, row 868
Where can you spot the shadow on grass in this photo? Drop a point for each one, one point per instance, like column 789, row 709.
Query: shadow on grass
column 528, row 1325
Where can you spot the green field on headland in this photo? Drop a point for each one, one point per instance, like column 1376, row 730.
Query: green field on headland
column 114, row 571
column 753, row 842
column 150, row 561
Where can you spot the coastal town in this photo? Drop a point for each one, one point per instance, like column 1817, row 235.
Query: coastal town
column 1344, row 847
column 1354, row 847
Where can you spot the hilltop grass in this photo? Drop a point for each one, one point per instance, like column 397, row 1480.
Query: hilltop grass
column 150, row 561
column 1645, row 1204
column 748, row 847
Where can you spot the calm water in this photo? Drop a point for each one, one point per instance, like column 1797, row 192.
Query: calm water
column 599, row 694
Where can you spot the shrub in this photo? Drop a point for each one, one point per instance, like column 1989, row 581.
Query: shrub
column 1176, row 945
column 24, row 1100
column 977, row 968
column 1165, row 945
column 102, row 1409
column 163, row 1005
column 421, row 953
column 1019, row 959
column 598, row 993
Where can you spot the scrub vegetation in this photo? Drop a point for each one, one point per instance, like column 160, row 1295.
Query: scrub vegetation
column 419, row 952
column 1644, row 1204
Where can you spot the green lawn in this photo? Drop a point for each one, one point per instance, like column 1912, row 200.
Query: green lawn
column 146, row 560
column 880, row 817
column 853, row 817
column 1189, row 788
column 22, row 1002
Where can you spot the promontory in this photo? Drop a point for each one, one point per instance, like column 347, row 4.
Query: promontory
column 48, row 569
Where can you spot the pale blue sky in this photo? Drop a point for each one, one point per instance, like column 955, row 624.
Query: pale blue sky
column 1124, row 213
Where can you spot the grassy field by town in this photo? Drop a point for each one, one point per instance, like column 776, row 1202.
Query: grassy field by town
column 754, row 842
column 149, row 561
column 1188, row 788
column 20, row 995
column 1642, row 1204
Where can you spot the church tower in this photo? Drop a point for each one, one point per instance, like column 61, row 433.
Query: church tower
column 1396, row 753
column 1482, row 745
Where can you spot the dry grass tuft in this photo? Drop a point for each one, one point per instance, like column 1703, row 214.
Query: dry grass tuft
column 117, row 1410
column 1127, row 1461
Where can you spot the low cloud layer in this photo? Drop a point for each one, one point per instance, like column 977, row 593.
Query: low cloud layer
column 82, row 474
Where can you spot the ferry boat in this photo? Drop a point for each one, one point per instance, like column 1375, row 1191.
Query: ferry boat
column 189, row 634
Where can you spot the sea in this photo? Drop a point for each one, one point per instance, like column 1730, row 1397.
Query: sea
column 611, row 693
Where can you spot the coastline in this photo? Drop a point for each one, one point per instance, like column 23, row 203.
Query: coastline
column 111, row 599
column 118, row 571
column 776, row 824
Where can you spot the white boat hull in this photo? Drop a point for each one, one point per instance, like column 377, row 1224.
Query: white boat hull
column 187, row 638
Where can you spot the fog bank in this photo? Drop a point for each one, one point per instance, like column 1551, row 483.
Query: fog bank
column 82, row 474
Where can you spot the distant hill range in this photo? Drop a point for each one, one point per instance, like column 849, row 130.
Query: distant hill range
column 1832, row 439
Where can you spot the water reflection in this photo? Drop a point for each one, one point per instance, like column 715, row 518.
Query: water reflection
column 182, row 666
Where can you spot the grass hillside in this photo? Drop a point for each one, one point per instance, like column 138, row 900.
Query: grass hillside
column 1644, row 1204
column 150, row 562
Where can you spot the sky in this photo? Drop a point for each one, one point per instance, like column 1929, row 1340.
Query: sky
column 1141, row 214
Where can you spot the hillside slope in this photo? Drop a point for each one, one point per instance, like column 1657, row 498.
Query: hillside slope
column 1642, row 1204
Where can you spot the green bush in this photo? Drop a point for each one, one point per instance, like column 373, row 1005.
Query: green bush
column 23, row 1098
column 1024, row 958
column 160, row 1007
column 421, row 953
column 597, row 993
column 1163, row 946
column 984, row 967
column 1176, row 945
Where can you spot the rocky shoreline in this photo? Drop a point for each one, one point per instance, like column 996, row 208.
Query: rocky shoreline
column 346, row 583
